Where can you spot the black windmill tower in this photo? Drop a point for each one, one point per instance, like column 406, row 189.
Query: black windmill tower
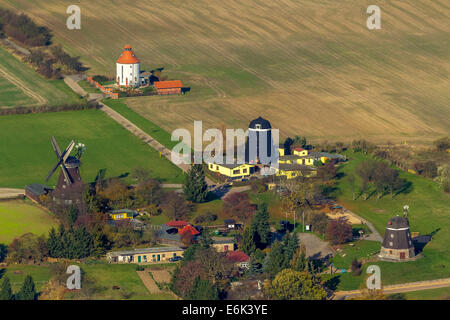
column 259, row 147
column 70, row 185
column 397, row 242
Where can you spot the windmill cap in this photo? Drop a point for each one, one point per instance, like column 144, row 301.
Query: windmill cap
column 263, row 123
column 398, row 222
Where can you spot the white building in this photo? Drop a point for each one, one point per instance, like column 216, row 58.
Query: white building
column 128, row 69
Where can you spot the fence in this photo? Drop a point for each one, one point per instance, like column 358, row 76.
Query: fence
column 107, row 91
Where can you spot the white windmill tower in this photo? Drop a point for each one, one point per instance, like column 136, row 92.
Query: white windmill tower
column 128, row 68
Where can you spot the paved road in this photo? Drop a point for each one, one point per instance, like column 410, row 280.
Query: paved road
column 375, row 235
column 399, row 288
column 315, row 247
column 7, row 193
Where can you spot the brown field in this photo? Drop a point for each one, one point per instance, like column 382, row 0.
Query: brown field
column 311, row 66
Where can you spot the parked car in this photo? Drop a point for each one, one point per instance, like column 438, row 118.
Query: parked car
column 175, row 259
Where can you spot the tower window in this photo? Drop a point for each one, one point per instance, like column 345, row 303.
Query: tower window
column 391, row 244
column 392, row 235
column 258, row 126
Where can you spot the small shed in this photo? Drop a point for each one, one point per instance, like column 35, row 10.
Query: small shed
column 168, row 87
column 35, row 191
column 230, row 223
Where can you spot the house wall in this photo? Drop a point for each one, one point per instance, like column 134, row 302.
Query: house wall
column 231, row 172
column 150, row 257
column 395, row 253
column 301, row 153
column 131, row 72
column 223, row 247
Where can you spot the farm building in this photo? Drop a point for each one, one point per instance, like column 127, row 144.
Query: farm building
column 239, row 258
column 122, row 214
column 168, row 87
column 179, row 224
column 232, row 170
column 35, row 191
column 294, row 170
column 397, row 243
column 223, row 244
column 128, row 69
column 147, row 255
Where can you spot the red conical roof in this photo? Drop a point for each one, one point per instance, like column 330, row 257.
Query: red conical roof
column 127, row 56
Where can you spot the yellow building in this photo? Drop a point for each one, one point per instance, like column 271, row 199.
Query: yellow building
column 292, row 171
column 300, row 152
column 281, row 151
column 122, row 214
column 223, row 244
column 232, row 170
column 147, row 255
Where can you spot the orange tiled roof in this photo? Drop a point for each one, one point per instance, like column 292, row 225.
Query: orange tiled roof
column 238, row 256
column 128, row 56
column 189, row 229
column 168, row 84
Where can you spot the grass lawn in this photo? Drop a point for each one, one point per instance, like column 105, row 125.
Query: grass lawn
column 428, row 213
column 432, row 294
column 18, row 217
column 17, row 273
column 28, row 87
column 144, row 124
column 359, row 249
column 27, row 155
column 10, row 95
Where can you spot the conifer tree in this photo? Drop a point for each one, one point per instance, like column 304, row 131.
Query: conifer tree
column 28, row 290
column 261, row 226
column 195, row 187
column 202, row 290
column 248, row 244
column 5, row 290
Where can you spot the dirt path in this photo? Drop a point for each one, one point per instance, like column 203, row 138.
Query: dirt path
column 148, row 281
column 19, row 84
column 399, row 288
column 7, row 193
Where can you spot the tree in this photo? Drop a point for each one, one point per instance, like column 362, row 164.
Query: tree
column 184, row 276
column 443, row 178
column 215, row 264
column 195, row 187
column 187, row 239
column 442, row 144
column 299, row 261
column 203, row 290
column 28, row 290
column 339, row 231
column 3, row 251
column 5, row 290
column 294, row 285
column 176, row 206
column 237, row 205
column 72, row 215
column 274, row 261
column 248, row 244
column 261, row 227
column 148, row 192
column 288, row 144
column 319, row 222
column 140, row 174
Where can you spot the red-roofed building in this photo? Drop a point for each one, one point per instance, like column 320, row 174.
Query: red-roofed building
column 239, row 258
column 177, row 224
column 189, row 229
column 168, row 87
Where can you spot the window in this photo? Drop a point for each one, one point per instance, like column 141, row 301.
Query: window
column 244, row 171
column 211, row 166
column 390, row 251
column 145, row 258
column 217, row 167
column 174, row 254
column 236, row 171
column 391, row 244
column 258, row 126
column 392, row 235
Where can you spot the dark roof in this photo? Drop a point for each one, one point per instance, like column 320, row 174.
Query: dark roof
column 133, row 212
column 294, row 167
column 238, row 256
column 37, row 189
column 262, row 122
column 398, row 222
column 143, row 251
column 229, row 221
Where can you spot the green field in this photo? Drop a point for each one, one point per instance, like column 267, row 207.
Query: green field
column 105, row 276
column 19, row 217
column 432, row 294
column 27, row 155
column 311, row 67
column 22, row 86
column 428, row 213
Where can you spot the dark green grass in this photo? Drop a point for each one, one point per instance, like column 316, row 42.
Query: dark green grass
column 27, row 155
column 54, row 91
column 147, row 126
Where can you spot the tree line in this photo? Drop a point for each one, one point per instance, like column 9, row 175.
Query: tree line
column 21, row 28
